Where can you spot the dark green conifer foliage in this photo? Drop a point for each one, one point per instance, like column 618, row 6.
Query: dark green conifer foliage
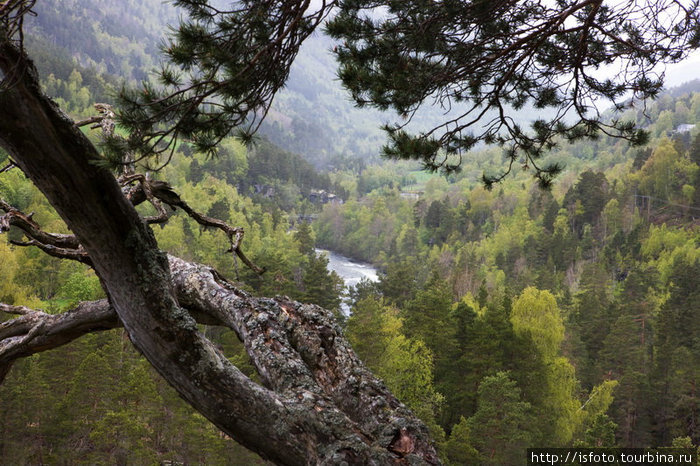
column 220, row 209
column 196, row 173
column 642, row 155
column 585, row 201
column 626, row 355
column 500, row 427
column 486, row 58
column 694, row 150
column 428, row 317
column 321, row 286
column 694, row 153
column 399, row 283
column 590, row 322
column 304, row 236
column 365, row 330
column 678, row 356
column 318, row 285
column 458, row 448
column 225, row 66
column 601, row 433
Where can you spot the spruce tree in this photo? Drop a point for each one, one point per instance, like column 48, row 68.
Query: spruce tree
column 500, row 429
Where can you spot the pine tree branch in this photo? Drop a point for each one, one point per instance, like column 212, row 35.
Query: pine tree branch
column 483, row 57
column 336, row 412
column 24, row 222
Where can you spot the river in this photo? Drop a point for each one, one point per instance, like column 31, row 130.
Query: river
column 350, row 271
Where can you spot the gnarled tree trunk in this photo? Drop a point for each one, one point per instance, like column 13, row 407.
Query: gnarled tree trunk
column 318, row 403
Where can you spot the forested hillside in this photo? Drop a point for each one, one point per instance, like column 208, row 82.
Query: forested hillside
column 97, row 401
column 120, row 41
column 128, row 413
column 506, row 318
column 313, row 116
column 578, row 307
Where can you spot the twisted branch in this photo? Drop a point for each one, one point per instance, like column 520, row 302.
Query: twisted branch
column 158, row 192
column 299, row 351
column 138, row 188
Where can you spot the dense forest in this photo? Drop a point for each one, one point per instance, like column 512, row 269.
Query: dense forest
column 578, row 304
column 505, row 318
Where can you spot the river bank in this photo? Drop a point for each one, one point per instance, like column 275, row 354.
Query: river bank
column 350, row 271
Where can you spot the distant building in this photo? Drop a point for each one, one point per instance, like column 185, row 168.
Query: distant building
column 324, row 197
column 684, row 128
column 413, row 195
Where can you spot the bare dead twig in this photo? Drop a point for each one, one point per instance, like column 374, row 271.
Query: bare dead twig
column 154, row 189
column 78, row 255
column 12, row 13
column 158, row 192
column 24, row 222
column 19, row 310
column 8, row 167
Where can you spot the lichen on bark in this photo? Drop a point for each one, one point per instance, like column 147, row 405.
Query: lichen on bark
column 317, row 404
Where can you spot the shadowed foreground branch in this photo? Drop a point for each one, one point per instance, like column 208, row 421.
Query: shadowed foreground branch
column 317, row 405
column 306, row 365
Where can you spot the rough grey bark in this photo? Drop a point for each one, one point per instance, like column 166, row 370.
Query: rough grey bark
column 298, row 349
column 35, row 331
column 319, row 404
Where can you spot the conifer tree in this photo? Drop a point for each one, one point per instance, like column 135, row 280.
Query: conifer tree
column 458, row 448
column 485, row 59
column 499, row 428
column 305, row 238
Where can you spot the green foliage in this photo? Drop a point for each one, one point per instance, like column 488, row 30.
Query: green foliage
column 320, row 286
column 467, row 54
column 12, row 290
column 500, row 427
column 487, row 299
column 429, row 319
column 536, row 314
column 304, row 236
column 586, row 200
column 111, row 407
column 80, row 287
column 405, row 364
column 665, row 173
column 368, row 331
column 600, row 433
column 97, row 401
column 603, row 279
column 223, row 70
column 458, row 448
column 408, row 372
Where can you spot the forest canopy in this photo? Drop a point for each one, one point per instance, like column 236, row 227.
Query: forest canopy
column 444, row 316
